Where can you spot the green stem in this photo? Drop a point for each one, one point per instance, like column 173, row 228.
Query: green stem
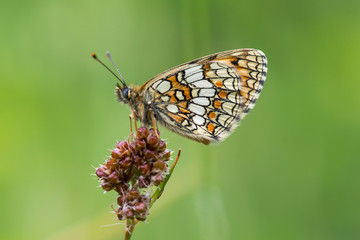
column 129, row 230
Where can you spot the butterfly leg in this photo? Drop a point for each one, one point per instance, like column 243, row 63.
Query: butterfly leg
column 131, row 130
column 153, row 121
column 133, row 116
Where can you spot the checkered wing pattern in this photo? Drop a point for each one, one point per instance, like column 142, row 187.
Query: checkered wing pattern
column 206, row 98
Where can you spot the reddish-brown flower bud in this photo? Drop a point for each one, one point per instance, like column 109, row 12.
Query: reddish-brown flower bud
column 140, row 144
column 141, row 216
column 127, row 175
column 157, row 179
column 133, row 194
column 122, row 188
column 100, row 172
column 149, row 155
column 142, row 133
column 144, row 169
column 143, row 182
column 137, row 160
column 140, row 207
column 122, row 145
column 120, row 215
column 120, row 201
column 153, row 141
column 116, row 153
column 132, row 147
column 114, row 177
column 166, row 155
column 111, row 164
column 162, row 146
column 126, row 163
column 126, row 153
column 129, row 213
column 159, row 165
column 107, row 186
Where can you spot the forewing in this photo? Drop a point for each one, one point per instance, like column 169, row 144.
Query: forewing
column 206, row 98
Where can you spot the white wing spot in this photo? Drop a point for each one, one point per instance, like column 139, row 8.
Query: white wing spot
column 192, row 70
column 203, row 101
column 179, row 77
column 207, row 92
column 195, row 77
column 198, row 120
column 172, row 108
column 185, row 122
column 164, row 86
column 196, row 109
column 192, row 127
column 156, row 84
column 165, row 98
column 179, row 95
column 195, row 92
column 203, row 84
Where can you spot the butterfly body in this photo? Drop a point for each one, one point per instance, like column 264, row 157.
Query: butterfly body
column 203, row 99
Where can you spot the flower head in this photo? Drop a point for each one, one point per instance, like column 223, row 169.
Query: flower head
column 134, row 169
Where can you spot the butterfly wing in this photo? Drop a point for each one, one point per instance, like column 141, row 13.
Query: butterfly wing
column 206, row 98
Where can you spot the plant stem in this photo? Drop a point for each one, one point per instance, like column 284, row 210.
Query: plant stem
column 130, row 225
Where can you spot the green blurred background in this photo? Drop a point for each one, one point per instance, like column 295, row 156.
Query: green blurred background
column 290, row 171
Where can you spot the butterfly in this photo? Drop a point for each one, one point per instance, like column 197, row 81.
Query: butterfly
column 204, row 99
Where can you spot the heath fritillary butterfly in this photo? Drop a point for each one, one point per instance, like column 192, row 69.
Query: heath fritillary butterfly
column 203, row 99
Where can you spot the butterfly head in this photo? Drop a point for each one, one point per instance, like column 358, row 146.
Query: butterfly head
column 123, row 93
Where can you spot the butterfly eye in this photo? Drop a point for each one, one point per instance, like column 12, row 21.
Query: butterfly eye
column 126, row 92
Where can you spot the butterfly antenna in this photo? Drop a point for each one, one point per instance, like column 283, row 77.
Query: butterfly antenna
column 95, row 57
column 109, row 56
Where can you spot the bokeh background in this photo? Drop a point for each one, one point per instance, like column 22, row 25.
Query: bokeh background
column 290, row 171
